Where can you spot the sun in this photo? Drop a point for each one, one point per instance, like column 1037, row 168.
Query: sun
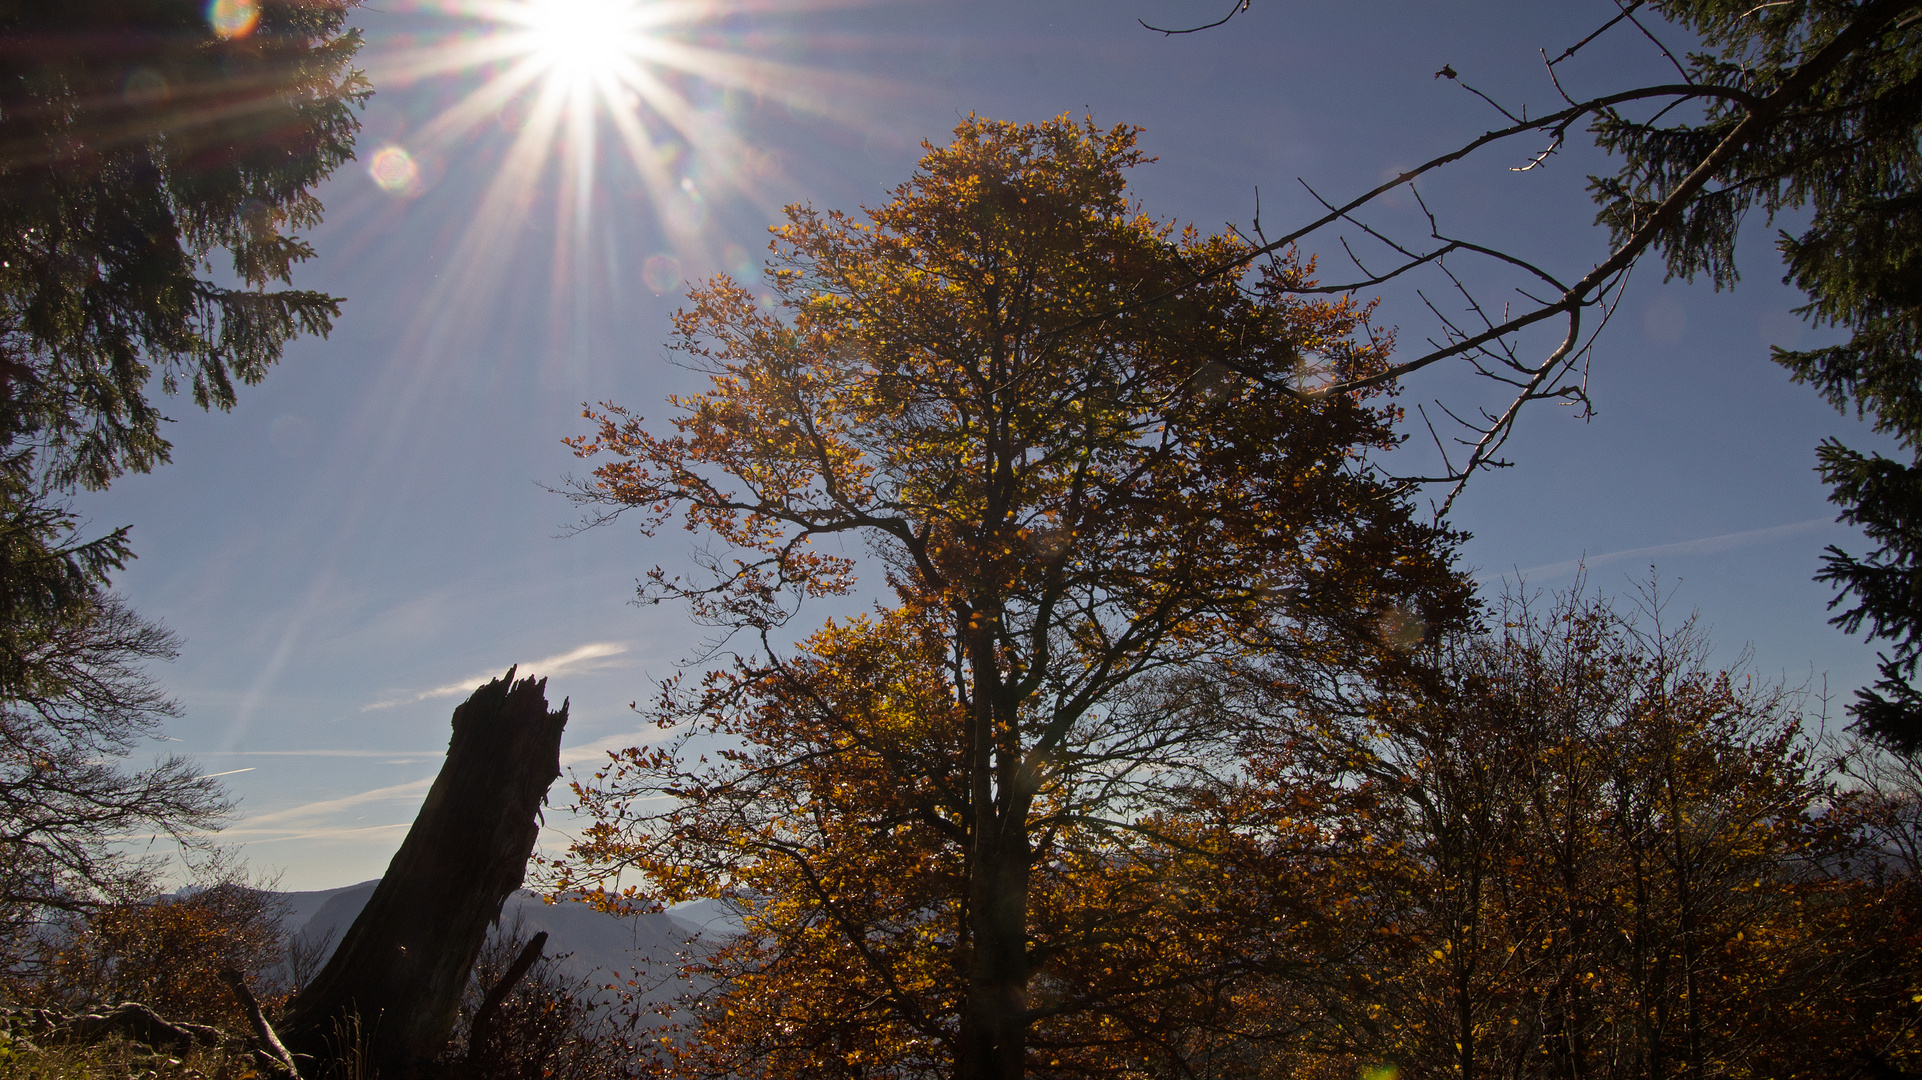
column 583, row 84
column 586, row 42
column 595, row 112
column 574, row 79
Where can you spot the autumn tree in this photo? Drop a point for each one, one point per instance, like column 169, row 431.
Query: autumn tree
column 1068, row 510
column 163, row 952
column 1588, row 852
column 139, row 140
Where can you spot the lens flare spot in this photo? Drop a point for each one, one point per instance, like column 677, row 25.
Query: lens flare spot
column 144, row 86
column 396, row 171
column 259, row 219
column 233, row 18
column 513, row 113
column 885, row 147
column 1401, row 627
column 740, row 265
column 686, row 212
column 662, row 273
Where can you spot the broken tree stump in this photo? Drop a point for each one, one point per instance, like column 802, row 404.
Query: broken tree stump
column 397, row 976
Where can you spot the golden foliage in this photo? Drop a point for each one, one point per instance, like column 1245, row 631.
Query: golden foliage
column 165, row 953
column 1096, row 487
column 1577, row 849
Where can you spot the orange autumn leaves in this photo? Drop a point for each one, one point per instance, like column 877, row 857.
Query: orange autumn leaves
column 971, row 380
column 1103, row 789
column 1088, row 476
column 1577, row 849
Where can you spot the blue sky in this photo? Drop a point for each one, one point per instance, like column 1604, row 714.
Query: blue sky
column 372, row 531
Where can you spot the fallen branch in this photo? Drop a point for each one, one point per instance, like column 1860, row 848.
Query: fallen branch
column 137, row 1022
column 491, row 1004
column 271, row 1047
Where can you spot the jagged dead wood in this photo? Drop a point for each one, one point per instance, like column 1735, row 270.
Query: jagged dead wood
column 401, row 967
column 270, row 1045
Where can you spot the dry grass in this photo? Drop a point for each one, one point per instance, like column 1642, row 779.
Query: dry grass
column 118, row 1059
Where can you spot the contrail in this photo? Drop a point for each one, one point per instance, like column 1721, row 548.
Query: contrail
column 1699, row 546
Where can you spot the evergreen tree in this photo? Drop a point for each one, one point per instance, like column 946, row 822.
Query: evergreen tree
column 136, row 138
column 1845, row 145
column 1810, row 106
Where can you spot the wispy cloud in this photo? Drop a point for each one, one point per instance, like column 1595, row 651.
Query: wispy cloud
column 1704, row 545
column 597, row 750
column 593, row 656
column 273, row 837
column 412, row 790
column 391, row 754
column 323, row 818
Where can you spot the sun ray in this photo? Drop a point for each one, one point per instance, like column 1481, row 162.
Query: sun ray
column 615, row 107
column 483, row 104
column 447, row 58
column 770, row 79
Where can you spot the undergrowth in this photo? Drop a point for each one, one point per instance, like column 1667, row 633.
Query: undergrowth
column 118, row 1059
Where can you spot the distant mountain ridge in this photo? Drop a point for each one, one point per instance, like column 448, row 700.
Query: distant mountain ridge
column 590, row 944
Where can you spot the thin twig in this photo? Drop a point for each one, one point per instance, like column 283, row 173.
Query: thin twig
column 1629, row 13
column 1240, row 6
column 1512, row 118
column 1575, row 48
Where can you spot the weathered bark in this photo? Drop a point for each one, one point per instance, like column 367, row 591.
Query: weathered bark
column 994, row 1022
column 397, row 977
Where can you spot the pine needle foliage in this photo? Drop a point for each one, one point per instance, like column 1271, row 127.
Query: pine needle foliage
column 139, row 139
column 1848, row 153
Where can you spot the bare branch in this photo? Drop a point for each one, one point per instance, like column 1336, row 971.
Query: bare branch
column 1577, row 47
column 490, row 1007
column 1761, row 114
column 1628, row 12
column 1240, row 6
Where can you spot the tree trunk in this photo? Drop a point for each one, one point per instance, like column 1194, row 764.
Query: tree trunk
column 391, row 990
column 994, row 1023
